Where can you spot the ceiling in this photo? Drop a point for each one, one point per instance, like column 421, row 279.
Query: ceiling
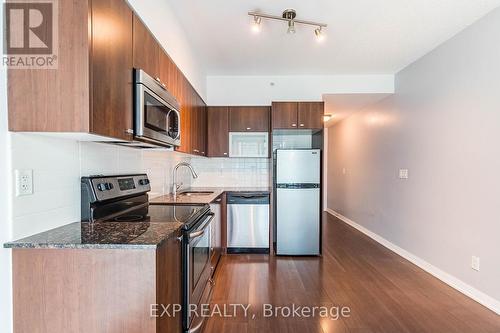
column 363, row 36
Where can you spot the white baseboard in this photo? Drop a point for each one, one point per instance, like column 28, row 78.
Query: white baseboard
column 464, row 288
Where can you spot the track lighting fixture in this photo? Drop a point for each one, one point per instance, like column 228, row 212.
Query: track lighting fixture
column 256, row 23
column 319, row 34
column 289, row 16
column 291, row 27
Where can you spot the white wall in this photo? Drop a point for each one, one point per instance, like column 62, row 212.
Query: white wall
column 443, row 124
column 262, row 90
column 5, row 225
column 161, row 20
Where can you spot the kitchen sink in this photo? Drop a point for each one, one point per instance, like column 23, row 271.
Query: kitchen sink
column 195, row 193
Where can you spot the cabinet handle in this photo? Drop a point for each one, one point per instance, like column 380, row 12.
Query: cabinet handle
column 294, row 125
column 129, row 131
column 301, row 125
column 203, row 153
column 225, row 154
column 196, row 150
column 249, row 128
column 158, row 79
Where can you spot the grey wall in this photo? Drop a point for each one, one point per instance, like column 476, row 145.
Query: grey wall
column 443, row 124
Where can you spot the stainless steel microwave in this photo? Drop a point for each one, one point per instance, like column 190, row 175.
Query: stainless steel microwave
column 156, row 112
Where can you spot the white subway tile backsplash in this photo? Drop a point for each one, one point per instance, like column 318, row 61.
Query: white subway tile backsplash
column 27, row 225
column 239, row 172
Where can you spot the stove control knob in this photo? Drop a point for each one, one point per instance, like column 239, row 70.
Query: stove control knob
column 101, row 187
column 109, row 186
column 144, row 182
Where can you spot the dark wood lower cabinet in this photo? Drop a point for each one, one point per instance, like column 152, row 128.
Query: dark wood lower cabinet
column 101, row 290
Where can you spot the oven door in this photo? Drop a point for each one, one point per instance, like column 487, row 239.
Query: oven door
column 155, row 119
column 197, row 271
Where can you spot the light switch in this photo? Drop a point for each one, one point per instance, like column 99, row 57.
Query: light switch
column 475, row 264
column 403, row 173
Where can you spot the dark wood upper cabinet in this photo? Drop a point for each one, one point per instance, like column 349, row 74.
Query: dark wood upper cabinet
column 218, row 131
column 203, row 126
column 146, row 49
column 249, row 118
column 112, row 80
column 311, row 115
column 297, row 115
column 284, row 115
column 56, row 100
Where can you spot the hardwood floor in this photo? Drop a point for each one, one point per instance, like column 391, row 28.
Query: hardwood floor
column 384, row 292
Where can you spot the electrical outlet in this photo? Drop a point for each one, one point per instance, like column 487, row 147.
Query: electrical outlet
column 475, row 264
column 403, row 173
column 24, row 182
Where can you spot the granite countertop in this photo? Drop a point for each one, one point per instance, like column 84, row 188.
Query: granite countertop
column 101, row 235
column 203, row 199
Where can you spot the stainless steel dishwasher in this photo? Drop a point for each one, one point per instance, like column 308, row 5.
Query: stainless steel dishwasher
column 248, row 222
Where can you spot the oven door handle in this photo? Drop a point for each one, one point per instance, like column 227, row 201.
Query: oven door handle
column 201, row 232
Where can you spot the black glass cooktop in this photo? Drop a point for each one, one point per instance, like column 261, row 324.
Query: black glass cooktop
column 187, row 215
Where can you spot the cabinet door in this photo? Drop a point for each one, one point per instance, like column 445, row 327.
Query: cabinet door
column 284, row 115
column 218, row 131
column 111, row 70
column 56, row 100
column 194, row 135
column 185, row 112
column 169, row 74
column 249, row 118
column 202, row 128
column 311, row 115
column 168, row 281
column 146, row 50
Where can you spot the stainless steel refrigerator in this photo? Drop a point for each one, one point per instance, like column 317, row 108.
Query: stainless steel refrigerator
column 297, row 184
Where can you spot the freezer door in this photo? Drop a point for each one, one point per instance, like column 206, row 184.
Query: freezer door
column 297, row 221
column 298, row 166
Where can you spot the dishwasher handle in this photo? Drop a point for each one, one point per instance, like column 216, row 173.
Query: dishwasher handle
column 248, row 199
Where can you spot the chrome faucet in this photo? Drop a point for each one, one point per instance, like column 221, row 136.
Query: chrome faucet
column 175, row 186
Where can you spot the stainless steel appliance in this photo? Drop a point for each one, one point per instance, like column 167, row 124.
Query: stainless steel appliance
column 124, row 198
column 297, row 186
column 156, row 115
column 248, row 222
column 197, row 271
